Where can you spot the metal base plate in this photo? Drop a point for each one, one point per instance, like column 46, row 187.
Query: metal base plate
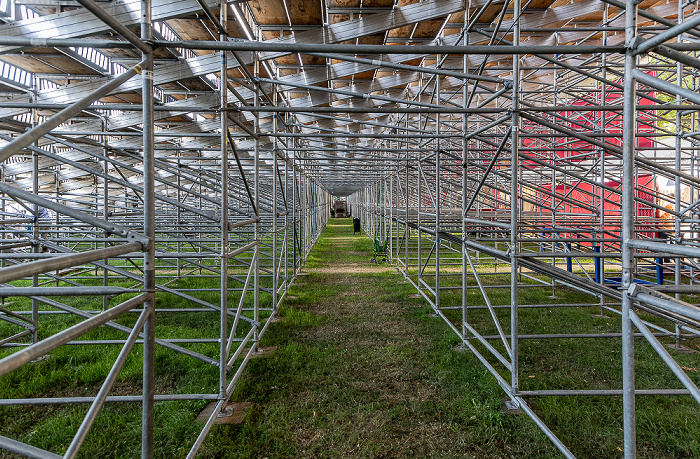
column 233, row 413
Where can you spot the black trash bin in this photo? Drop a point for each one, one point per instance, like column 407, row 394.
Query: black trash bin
column 356, row 225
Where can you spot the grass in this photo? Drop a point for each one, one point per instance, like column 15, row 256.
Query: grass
column 80, row 370
column 590, row 426
column 362, row 369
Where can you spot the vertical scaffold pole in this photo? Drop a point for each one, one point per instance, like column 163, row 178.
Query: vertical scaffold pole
column 395, row 205
column 223, row 358
column 603, row 125
column 275, row 152
column 514, row 214
column 437, row 193
column 419, row 186
column 390, row 202
column 628, row 146
column 286, row 219
column 256, row 269
column 465, row 170
column 295, row 196
column 677, row 181
column 406, row 185
column 105, row 208
column 35, row 216
column 149, row 276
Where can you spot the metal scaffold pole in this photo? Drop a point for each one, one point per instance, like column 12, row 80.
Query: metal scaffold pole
column 149, row 223
column 225, row 250
column 628, row 214
column 514, row 206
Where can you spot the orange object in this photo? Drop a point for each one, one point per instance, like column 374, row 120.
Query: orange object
column 667, row 218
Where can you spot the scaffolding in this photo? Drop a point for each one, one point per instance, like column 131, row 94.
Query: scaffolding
column 496, row 147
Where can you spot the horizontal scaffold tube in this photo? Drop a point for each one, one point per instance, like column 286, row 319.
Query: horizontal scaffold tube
column 62, row 291
column 12, row 273
column 350, row 109
column 665, row 302
column 16, row 360
column 676, row 249
column 304, row 48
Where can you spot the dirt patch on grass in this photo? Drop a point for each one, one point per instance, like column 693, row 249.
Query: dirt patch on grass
column 372, row 395
column 354, row 269
column 361, row 373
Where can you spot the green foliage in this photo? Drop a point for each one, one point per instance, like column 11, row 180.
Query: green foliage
column 668, row 119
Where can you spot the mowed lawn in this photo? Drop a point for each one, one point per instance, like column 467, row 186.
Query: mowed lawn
column 362, row 370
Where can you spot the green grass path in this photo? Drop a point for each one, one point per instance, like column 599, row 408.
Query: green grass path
column 361, row 370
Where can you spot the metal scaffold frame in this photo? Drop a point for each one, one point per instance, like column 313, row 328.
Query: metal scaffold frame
column 489, row 200
column 150, row 223
column 518, row 154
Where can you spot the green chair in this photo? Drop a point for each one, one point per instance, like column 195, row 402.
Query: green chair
column 380, row 251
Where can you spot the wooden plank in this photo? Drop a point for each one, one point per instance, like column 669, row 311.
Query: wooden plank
column 305, row 12
column 268, row 12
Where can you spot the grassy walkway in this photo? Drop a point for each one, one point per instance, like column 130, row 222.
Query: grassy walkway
column 362, row 370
